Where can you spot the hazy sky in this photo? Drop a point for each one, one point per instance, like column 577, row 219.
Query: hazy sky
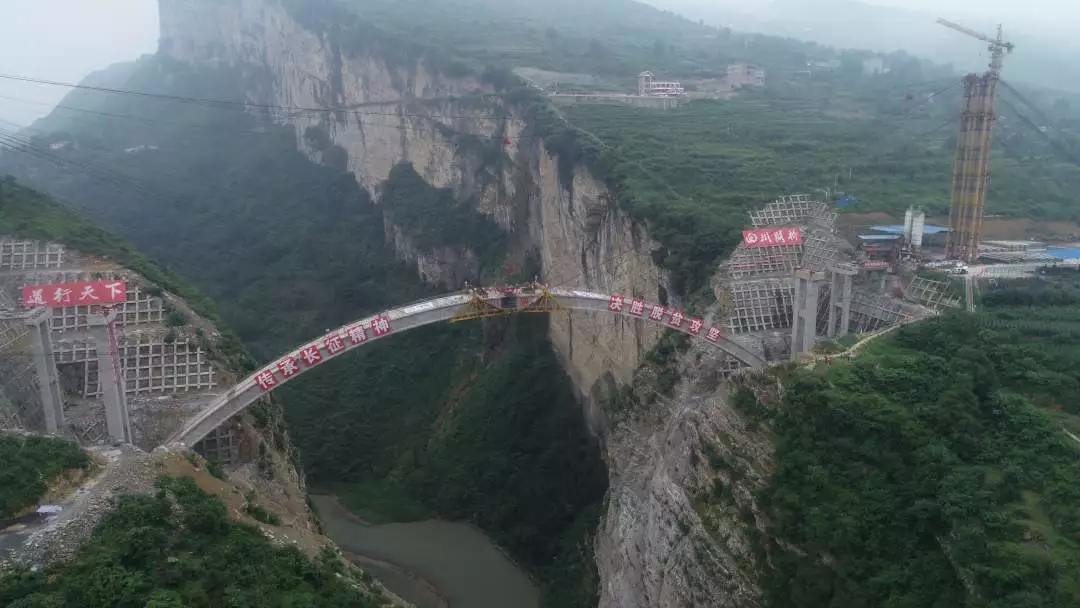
column 1035, row 16
column 1048, row 10
column 66, row 39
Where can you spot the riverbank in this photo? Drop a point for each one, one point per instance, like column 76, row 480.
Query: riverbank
column 432, row 563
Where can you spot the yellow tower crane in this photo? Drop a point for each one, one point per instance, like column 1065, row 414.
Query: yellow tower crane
column 971, row 166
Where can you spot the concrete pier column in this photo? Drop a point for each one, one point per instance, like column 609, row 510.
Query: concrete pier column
column 804, row 311
column 834, row 289
column 52, row 400
column 840, row 293
column 111, row 376
column 844, row 307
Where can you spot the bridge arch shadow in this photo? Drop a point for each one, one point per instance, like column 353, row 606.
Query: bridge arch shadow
column 461, row 306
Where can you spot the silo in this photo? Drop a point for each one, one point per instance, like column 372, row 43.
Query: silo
column 918, row 226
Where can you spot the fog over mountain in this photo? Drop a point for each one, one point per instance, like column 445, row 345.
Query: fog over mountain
column 1043, row 30
column 65, row 40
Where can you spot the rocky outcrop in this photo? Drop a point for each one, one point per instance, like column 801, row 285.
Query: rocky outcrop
column 653, row 548
column 683, row 527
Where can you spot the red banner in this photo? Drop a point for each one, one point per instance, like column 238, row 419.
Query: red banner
column 875, row 264
column 768, row 237
column 62, row 295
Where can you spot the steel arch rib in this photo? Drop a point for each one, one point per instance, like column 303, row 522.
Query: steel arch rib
column 418, row 314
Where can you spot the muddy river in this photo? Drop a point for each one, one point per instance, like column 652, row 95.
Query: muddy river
column 432, row 564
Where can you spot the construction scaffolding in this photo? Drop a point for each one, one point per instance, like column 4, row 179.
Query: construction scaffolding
column 154, row 360
column 19, row 254
column 779, row 260
column 760, row 305
column 140, row 308
column 758, row 294
column 793, row 209
column 150, row 364
column 871, row 312
column 821, row 249
column 932, row 294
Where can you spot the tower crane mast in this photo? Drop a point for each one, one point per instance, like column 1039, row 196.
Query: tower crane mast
column 971, row 165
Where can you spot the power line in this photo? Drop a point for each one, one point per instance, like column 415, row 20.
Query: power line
column 264, row 106
column 1065, row 152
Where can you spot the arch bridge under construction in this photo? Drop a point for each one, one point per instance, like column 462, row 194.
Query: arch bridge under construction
column 794, row 281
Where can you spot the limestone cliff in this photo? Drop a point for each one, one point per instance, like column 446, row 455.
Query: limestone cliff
column 413, row 114
column 387, row 112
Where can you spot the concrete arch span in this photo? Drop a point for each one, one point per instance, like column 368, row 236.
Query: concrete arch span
column 469, row 304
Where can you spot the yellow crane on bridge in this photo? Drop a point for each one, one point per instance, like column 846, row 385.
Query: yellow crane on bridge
column 971, row 166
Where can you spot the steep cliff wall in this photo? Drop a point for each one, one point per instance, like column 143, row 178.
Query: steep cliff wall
column 410, row 113
column 650, row 545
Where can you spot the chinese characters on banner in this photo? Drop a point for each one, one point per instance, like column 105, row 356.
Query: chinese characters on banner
column 875, row 264
column 319, row 351
column 675, row 319
column 767, row 237
column 62, row 295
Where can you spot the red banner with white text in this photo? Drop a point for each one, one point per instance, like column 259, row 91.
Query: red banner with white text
column 769, row 237
column 62, row 295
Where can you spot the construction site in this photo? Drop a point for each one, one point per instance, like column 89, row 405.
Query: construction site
column 795, row 282
column 155, row 372
column 135, row 368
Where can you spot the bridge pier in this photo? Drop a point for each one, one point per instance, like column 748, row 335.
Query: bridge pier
column 804, row 311
column 840, row 294
column 110, row 373
column 52, row 401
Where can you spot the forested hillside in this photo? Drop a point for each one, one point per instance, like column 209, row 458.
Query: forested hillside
column 933, row 470
column 178, row 547
column 29, row 464
column 154, row 534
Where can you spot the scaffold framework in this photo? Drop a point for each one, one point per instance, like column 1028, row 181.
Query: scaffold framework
column 792, row 209
column 753, row 261
column 760, row 305
column 932, row 294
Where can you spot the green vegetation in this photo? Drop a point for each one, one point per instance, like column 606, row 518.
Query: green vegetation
column 28, row 214
column 693, row 172
column 473, row 421
column 381, row 501
column 433, row 218
column 258, row 513
column 29, row 463
column 607, row 37
column 178, row 548
column 923, row 473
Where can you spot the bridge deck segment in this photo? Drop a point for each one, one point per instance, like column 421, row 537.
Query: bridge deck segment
column 468, row 304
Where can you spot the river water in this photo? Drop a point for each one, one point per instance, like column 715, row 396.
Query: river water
column 432, row 564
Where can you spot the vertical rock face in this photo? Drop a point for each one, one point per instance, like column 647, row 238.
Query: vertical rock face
column 574, row 226
column 570, row 222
